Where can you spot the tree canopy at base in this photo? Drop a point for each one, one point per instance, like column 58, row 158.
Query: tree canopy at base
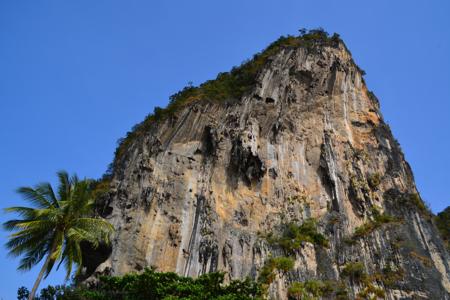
column 155, row 285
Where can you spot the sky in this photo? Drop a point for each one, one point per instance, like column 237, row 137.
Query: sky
column 75, row 76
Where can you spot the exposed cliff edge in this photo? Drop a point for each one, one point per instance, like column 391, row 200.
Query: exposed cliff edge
column 225, row 177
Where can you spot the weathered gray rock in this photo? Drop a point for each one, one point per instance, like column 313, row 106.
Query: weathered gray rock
column 200, row 191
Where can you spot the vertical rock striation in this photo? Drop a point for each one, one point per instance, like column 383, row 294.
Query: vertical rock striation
column 203, row 189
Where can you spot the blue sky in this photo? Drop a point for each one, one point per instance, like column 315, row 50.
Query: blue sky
column 75, row 76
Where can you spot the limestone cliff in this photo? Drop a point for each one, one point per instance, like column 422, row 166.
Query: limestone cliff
column 209, row 186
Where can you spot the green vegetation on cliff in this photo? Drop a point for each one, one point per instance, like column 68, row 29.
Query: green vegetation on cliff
column 378, row 221
column 230, row 85
column 314, row 289
column 443, row 224
column 155, row 285
column 267, row 273
column 294, row 235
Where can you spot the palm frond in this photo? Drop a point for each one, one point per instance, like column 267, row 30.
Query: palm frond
column 74, row 180
column 34, row 197
column 71, row 255
column 98, row 228
column 50, row 265
column 81, row 199
column 53, row 214
column 33, row 256
column 77, row 258
column 14, row 224
column 64, row 253
column 34, row 227
column 21, row 244
column 58, row 242
column 28, row 227
column 11, row 225
column 22, row 211
column 67, row 259
column 31, row 214
column 78, row 235
column 64, row 185
column 46, row 190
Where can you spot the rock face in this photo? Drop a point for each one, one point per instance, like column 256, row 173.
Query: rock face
column 203, row 189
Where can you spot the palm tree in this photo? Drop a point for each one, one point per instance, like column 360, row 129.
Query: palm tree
column 55, row 226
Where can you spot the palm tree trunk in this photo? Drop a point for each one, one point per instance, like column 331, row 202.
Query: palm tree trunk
column 42, row 272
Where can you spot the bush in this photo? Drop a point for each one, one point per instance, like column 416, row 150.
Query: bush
column 372, row 225
column 370, row 290
column 415, row 200
column 315, row 287
column 297, row 291
column 442, row 221
column 361, row 154
column 374, row 180
column 282, row 263
column 389, row 276
column 355, row 271
column 372, row 97
column 408, row 201
column 312, row 289
column 359, row 188
column 294, row 235
column 342, row 292
column 364, row 230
